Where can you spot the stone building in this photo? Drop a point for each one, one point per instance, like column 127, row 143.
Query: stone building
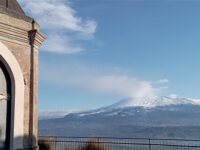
column 20, row 39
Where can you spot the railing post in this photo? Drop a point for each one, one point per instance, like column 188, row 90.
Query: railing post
column 98, row 142
column 55, row 142
column 149, row 144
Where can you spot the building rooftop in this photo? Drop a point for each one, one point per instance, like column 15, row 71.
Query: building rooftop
column 12, row 6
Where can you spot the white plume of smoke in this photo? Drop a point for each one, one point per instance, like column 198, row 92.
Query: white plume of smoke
column 88, row 78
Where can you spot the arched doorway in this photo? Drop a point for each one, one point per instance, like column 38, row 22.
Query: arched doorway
column 12, row 67
column 5, row 107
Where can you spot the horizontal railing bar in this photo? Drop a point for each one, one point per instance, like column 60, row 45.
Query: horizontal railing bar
column 152, row 139
column 126, row 143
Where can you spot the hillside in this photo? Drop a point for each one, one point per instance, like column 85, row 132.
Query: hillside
column 179, row 119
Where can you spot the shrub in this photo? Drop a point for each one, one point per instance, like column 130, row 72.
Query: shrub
column 44, row 145
column 94, row 145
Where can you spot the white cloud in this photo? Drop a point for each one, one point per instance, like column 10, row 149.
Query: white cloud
column 173, row 96
column 91, row 80
column 64, row 28
column 49, row 114
column 113, row 84
column 61, row 44
column 163, row 81
column 161, row 85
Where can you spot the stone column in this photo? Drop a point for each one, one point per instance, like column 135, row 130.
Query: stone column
column 35, row 39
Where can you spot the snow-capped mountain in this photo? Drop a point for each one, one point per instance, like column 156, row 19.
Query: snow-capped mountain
column 155, row 101
column 129, row 117
column 144, row 103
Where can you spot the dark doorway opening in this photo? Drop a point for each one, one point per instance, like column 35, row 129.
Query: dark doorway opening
column 5, row 107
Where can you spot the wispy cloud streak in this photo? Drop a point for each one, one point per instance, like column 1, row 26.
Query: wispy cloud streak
column 65, row 29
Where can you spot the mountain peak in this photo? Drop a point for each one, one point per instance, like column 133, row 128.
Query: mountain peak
column 154, row 101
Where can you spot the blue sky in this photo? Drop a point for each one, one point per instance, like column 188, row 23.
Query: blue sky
column 102, row 51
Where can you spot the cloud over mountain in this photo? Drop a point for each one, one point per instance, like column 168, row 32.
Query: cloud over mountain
column 91, row 79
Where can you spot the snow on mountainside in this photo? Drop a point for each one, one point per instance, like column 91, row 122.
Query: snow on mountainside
column 155, row 101
column 168, row 117
column 142, row 104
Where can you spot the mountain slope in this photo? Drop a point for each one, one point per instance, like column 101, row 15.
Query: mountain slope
column 123, row 119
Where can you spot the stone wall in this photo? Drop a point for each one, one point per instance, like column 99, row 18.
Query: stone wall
column 23, row 38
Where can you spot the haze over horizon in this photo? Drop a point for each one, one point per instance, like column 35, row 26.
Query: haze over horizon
column 100, row 52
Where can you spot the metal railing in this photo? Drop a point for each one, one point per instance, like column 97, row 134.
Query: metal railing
column 112, row 143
